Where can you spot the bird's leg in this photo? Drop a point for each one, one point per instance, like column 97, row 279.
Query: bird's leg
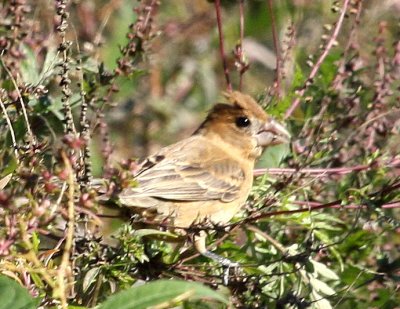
column 200, row 245
column 219, row 259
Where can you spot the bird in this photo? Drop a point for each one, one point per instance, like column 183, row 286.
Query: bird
column 208, row 176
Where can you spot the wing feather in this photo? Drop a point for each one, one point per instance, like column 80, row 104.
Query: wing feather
column 187, row 171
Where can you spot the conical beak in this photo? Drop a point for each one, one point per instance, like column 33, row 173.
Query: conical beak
column 272, row 133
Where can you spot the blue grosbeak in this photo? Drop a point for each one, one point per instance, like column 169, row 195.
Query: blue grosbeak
column 208, row 176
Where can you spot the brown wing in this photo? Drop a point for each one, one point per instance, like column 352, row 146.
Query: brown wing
column 190, row 170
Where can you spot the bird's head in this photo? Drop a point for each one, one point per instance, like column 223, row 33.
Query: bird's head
column 244, row 125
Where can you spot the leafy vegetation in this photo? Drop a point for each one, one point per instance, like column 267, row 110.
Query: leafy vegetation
column 88, row 87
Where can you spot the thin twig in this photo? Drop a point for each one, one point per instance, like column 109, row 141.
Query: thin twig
column 221, row 44
column 391, row 205
column 278, row 58
column 15, row 146
column 241, row 12
column 59, row 199
column 263, row 234
column 321, row 59
column 281, row 248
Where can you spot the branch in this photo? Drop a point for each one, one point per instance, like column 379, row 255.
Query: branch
column 394, row 204
column 311, row 206
column 241, row 12
column 278, row 77
column 395, row 163
column 221, row 44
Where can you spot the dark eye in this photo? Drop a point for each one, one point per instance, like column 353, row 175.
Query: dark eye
column 242, row 122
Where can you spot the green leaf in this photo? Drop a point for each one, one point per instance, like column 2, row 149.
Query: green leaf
column 49, row 65
column 90, row 278
column 37, row 280
column 10, row 168
column 320, row 302
column 321, row 286
column 29, row 66
column 324, row 271
column 35, row 241
column 161, row 293
column 7, row 85
column 12, row 295
column 354, row 275
column 272, row 156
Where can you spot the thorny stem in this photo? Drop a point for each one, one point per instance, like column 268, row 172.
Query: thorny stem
column 85, row 174
column 278, row 76
column 320, row 60
column 106, row 147
column 221, row 44
column 64, row 47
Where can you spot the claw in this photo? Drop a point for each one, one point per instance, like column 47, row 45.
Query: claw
column 227, row 264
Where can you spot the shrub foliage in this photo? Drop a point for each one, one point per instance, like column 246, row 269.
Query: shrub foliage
column 321, row 228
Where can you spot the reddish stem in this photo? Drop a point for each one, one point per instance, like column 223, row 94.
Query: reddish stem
column 325, row 171
column 221, row 44
column 312, row 204
column 278, row 76
column 241, row 12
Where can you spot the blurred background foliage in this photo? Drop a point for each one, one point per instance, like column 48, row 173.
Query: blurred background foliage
column 89, row 87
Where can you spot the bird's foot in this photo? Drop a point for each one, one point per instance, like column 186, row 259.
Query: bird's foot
column 226, row 272
column 226, row 263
